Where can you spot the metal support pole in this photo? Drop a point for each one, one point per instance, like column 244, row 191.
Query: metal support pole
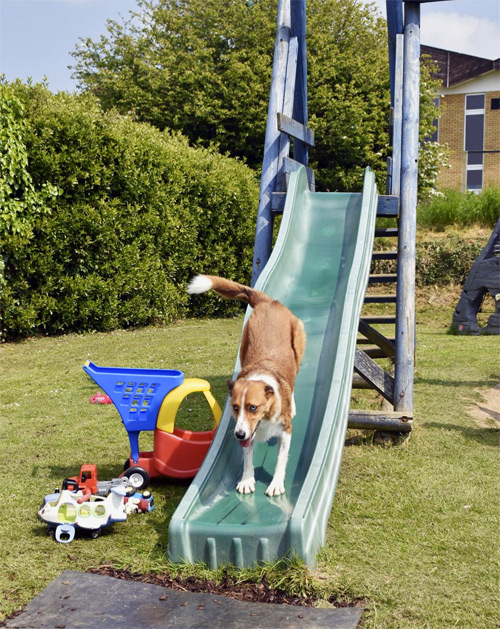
column 405, row 304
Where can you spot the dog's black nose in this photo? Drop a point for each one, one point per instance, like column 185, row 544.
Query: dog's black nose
column 239, row 435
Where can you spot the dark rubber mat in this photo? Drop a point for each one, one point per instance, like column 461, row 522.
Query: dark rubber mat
column 82, row 600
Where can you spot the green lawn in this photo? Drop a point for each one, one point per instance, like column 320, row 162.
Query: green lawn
column 414, row 528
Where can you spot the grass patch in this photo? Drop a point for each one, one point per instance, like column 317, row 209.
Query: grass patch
column 462, row 209
column 413, row 528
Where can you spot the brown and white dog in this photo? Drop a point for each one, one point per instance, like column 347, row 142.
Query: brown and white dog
column 262, row 400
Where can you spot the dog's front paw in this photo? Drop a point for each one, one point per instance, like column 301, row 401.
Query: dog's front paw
column 276, row 488
column 246, row 486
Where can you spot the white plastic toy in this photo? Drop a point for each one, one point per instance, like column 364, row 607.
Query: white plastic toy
column 63, row 513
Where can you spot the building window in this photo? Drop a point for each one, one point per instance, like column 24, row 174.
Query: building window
column 495, row 103
column 435, row 136
column 474, row 140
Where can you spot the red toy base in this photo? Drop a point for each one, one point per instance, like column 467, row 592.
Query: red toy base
column 177, row 455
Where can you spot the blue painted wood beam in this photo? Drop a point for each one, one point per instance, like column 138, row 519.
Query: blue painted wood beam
column 298, row 21
column 394, row 27
column 270, row 163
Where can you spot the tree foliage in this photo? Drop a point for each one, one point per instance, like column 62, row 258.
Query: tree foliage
column 138, row 211
column 433, row 156
column 201, row 67
column 204, row 67
column 348, row 92
column 20, row 200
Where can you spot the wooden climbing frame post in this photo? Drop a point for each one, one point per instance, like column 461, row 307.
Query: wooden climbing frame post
column 404, row 358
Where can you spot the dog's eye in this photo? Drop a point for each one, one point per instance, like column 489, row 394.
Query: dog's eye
column 235, row 408
column 252, row 408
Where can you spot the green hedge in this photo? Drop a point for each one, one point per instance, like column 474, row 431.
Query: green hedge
column 440, row 260
column 129, row 214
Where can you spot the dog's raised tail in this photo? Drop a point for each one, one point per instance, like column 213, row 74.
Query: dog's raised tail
column 227, row 289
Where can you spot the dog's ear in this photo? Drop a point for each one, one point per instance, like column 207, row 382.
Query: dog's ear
column 230, row 385
column 268, row 391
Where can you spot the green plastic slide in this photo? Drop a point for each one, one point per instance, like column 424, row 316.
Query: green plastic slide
column 319, row 268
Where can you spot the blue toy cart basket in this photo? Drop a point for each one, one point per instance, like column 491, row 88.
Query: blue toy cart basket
column 137, row 394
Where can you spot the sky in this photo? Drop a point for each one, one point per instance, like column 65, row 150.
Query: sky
column 37, row 36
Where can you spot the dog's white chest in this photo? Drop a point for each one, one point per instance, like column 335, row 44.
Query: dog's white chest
column 268, row 429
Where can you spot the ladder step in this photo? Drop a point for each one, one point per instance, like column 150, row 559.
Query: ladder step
column 380, row 420
column 364, row 341
column 380, row 299
column 373, row 351
column 382, row 278
column 386, row 232
column 384, row 255
column 379, row 319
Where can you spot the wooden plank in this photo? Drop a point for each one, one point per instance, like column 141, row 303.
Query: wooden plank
column 298, row 22
column 361, row 340
column 374, row 374
column 278, row 205
column 380, row 340
column 404, row 357
column 289, row 165
column 371, row 319
column 382, row 278
column 278, row 202
column 394, row 10
column 387, row 232
column 380, row 420
column 388, row 205
column 388, row 178
column 375, row 352
column 384, row 255
column 397, row 117
column 295, row 129
column 380, row 299
column 291, row 73
column 287, row 105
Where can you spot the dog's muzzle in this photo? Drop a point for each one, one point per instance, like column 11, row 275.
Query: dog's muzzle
column 240, row 436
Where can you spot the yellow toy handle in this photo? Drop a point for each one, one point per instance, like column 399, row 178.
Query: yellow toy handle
column 172, row 401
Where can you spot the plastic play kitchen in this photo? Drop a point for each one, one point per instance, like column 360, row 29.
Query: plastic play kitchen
column 148, row 399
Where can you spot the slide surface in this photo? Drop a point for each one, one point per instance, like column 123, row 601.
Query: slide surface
column 319, row 268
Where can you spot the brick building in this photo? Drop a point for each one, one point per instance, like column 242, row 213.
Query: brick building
column 470, row 123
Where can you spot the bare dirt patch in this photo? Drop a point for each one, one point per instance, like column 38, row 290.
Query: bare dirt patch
column 230, row 587
column 486, row 414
